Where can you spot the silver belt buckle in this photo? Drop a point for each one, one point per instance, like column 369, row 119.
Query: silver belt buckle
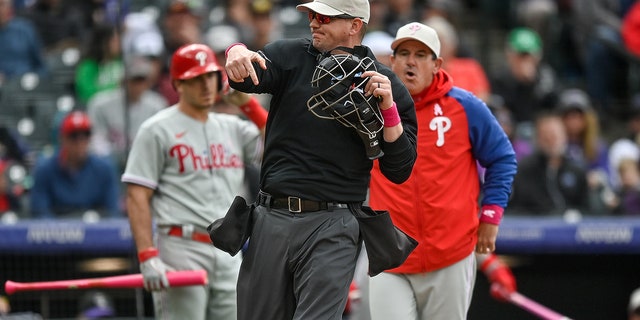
column 187, row 231
column 295, row 204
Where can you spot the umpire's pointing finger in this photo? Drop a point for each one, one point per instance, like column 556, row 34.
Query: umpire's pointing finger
column 239, row 63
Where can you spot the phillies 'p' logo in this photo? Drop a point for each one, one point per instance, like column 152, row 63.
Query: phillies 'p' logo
column 414, row 28
column 440, row 124
column 201, row 57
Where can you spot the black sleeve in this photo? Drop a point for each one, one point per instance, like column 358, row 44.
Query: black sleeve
column 400, row 155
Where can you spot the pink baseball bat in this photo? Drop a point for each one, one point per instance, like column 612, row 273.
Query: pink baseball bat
column 176, row 279
column 534, row 307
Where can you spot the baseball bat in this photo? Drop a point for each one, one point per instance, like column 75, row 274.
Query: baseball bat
column 534, row 307
column 176, row 279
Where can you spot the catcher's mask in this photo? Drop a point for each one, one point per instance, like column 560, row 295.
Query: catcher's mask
column 339, row 95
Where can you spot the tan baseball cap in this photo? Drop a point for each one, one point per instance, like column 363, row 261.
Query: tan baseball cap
column 354, row 8
column 420, row 32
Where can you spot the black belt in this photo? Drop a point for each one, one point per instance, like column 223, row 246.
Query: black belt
column 295, row 204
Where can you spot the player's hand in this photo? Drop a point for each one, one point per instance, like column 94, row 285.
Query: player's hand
column 239, row 64
column 154, row 270
column 236, row 98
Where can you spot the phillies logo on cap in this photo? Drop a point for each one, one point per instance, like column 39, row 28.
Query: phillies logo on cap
column 201, row 57
column 414, row 28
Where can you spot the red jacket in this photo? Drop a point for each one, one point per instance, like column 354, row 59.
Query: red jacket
column 438, row 205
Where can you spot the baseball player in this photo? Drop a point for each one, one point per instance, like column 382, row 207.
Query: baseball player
column 183, row 171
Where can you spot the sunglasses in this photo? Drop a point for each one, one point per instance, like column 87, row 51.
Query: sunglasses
column 78, row 135
column 322, row 19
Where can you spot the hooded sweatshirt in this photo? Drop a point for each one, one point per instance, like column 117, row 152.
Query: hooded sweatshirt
column 439, row 204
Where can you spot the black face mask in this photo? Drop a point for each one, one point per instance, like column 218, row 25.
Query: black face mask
column 339, row 95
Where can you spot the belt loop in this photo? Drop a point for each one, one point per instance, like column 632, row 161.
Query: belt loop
column 187, row 231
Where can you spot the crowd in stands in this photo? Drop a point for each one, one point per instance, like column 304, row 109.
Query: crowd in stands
column 561, row 78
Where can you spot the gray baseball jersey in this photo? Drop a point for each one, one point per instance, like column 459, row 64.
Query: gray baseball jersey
column 195, row 168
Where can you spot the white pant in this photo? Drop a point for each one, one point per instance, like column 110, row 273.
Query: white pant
column 443, row 294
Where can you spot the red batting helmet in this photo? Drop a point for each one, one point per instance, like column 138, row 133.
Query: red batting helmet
column 192, row 60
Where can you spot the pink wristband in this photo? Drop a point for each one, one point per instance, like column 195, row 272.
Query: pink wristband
column 226, row 52
column 491, row 213
column 391, row 116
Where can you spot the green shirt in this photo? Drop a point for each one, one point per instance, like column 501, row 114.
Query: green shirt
column 92, row 77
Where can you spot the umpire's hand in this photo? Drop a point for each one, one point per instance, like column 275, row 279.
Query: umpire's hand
column 154, row 270
column 239, row 63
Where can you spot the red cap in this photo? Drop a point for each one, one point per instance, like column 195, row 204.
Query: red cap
column 192, row 60
column 75, row 121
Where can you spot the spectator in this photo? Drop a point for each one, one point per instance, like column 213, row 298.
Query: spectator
column 101, row 67
column 401, row 12
column 629, row 144
column 629, row 191
column 220, row 37
column 142, row 37
column 527, row 85
column 522, row 145
column 73, row 180
column 95, row 305
column 117, row 114
column 13, row 147
column 586, row 147
column 467, row 72
column 548, row 182
column 58, row 24
column 380, row 44
column 181, row 25
column 21, row 46
column 264, row 27
column 9, row 196
column 598, row 32
column 379, row 10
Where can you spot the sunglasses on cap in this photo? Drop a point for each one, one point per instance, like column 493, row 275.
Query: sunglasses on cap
column 323, row 19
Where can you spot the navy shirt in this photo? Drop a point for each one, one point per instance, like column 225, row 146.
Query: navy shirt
column 57, row 191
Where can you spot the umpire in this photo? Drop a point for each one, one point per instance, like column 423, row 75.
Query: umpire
column 305, row 241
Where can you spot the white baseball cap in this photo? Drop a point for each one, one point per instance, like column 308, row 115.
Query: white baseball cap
column 354, row 8
column 420, row 32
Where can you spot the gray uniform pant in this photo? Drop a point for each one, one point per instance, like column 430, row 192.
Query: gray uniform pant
column 214, row 301
column 443, row 294
column 298, row 265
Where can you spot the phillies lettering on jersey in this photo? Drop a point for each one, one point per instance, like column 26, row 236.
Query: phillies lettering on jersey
column 218, row 157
